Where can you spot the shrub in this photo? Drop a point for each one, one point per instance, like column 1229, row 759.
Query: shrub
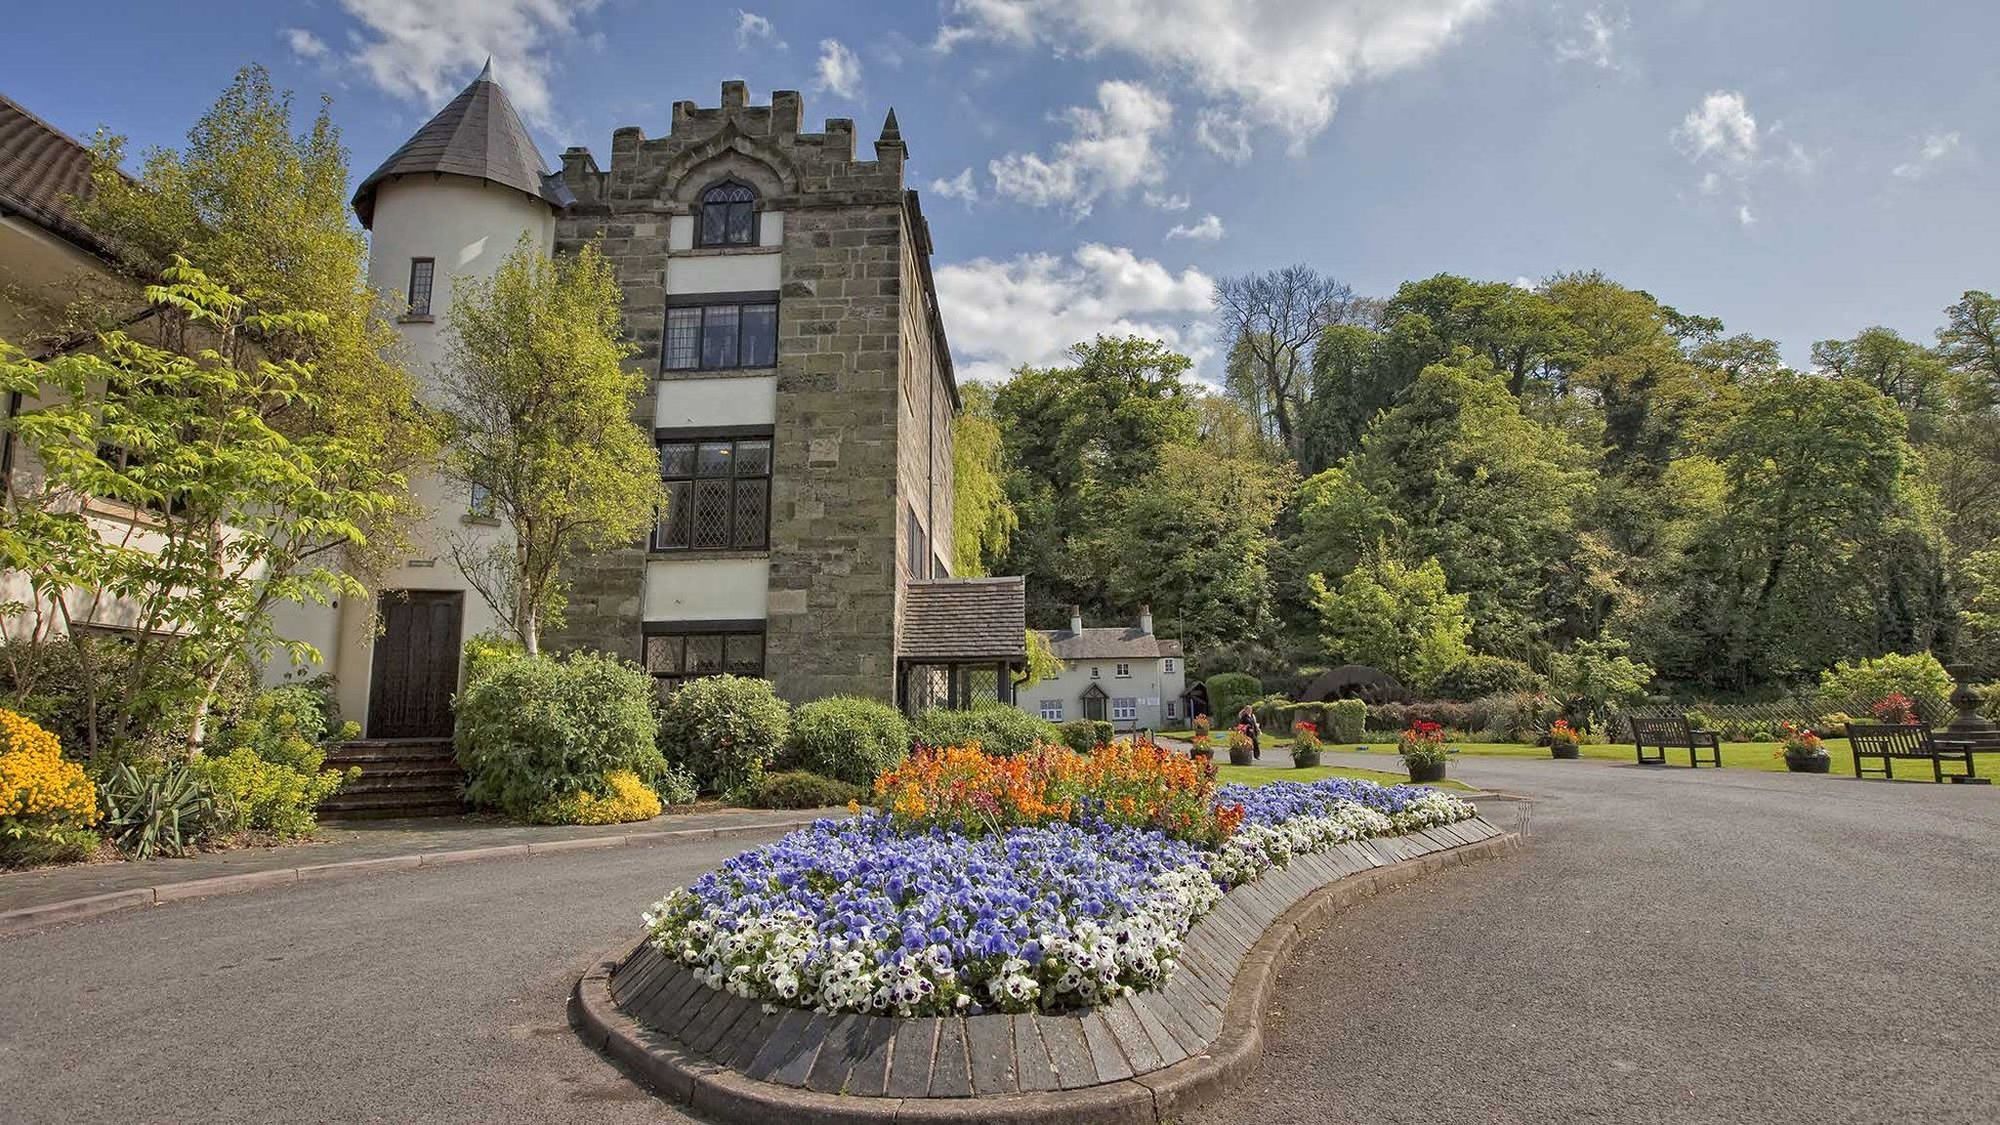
column 487, row 651
column 725, row 730
column 1479, row 676
column 1274, row 712
column 1861, row 685
column 626, row 799
column 1229, row 691
column 47, row 805
column 536, row 730
column 848, row 738
column 289, row 725
column 799, row 789
column 1104, row 731
column 996, row 727
column 1345, row 720
column 1079, row 735
column 1454, row 716
column 155, row 809
column 250, row 793
column 1517, row 716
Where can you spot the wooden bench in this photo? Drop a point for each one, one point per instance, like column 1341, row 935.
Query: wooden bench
column 1912, row 740
column 1660, row 732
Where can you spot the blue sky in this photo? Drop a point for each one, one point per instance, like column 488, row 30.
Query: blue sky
column 1800, row 168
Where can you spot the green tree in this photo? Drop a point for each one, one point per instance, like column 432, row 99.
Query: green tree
column 1912, row 375
column 1597, row 677
column 233, row 515
column 1970, row 343
column 983, row 521
column 1401, row 619
column 1979, row 613
column 541, row 412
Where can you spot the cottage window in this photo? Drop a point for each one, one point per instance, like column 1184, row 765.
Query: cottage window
column 1124, row 671
column 1052, row 710
column 1124, row 710
column 1095, row 671
column 678, row 654
column 712, row 334
column 1168, row 665
column 421, row 272
column 1173, row 709
column 718, row 494
column 728, row 216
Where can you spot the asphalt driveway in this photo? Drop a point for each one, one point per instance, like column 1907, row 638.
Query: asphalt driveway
column 1671, row 946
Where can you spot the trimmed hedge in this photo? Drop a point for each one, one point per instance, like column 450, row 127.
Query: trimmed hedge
column 798, row 789
column 536, row 730
column 1343, row 720
column 1085, row 735
column 724, row 730
column 847, row 738
column 998, row 728
column 1228, row 692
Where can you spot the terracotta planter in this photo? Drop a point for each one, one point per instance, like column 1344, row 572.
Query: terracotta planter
column 1567, row 751
column 1305, row 759
column 1425, row 771
column 1813, row 763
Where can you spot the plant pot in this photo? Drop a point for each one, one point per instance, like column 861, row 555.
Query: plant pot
column 1425, row 771
column 1242, row 757
column 1202, row 753
column 1567, row 751
column 1809, row 763
column 1305, row 759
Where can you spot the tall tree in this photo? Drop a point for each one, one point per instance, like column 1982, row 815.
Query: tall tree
column 541, row 409
column 1402, row 619
column 983, row 521
column 1970, row 343
column 1912, row 375
column 1272, row 320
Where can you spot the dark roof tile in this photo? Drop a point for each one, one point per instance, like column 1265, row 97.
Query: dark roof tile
column 41, row 167
column 1126, row 643
column 966, row 619
column 477, row 134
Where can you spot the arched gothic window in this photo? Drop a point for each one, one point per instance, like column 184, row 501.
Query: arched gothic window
column 728, row 216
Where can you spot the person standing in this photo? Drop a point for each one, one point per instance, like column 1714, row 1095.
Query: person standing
column 1246, row 721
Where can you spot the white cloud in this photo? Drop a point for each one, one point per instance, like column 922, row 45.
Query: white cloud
column 1936, row 147
column 1110, row 150
column 1030, row 308
column 1595, row 43
column 1745, row 216
column 958, row 187
column 305, row 44
column 1281, row 63
column 1166, row 201
column 1209, row 229
column 425, row 50
column 839, row 69
column 1721, row 128
column 1224, row 134
column 751, row 28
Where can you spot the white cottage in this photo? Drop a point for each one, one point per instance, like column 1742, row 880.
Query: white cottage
column 1121, row 674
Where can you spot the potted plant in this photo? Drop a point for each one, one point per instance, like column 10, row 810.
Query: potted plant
column 1564, row 742
column 1803, row 750
column 1242, row 751
column 1203, row 750
column 1423, row 751
column 1305, row 744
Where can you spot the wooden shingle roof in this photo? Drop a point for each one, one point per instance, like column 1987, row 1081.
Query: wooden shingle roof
column 962, row 619
column 477, row 135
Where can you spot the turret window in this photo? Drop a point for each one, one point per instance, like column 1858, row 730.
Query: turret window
column 421, row 270
column 728, row 216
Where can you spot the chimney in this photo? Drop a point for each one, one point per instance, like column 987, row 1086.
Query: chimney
column 1146, row 620
column 1076, row 619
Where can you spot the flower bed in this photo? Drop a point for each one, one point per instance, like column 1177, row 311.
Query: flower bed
column 956, row 906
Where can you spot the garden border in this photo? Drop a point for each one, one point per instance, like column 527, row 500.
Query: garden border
column 1218, row 1023
column 26, row 918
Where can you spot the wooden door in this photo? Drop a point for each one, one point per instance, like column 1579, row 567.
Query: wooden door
column 415, row 669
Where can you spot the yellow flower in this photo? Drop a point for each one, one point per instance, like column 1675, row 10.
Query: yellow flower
column 35, row 781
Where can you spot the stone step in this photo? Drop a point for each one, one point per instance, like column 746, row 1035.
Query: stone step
column 432, row 801
column 389, row 812
column 406, row 781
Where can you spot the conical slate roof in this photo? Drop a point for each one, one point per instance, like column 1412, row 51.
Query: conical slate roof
column 477, row 135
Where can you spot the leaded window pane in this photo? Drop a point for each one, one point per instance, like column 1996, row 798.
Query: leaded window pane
column 677, row 459
column 711, row 514
column 704, row 654
column 718, row 335
column 760, row 336
column 739, row 227
column 753, row 458
column 714, row 459
column 752, row 511
column 672, row 532
column 683, row 346
column 744, row 654
column 714, row 223
column 663, row 655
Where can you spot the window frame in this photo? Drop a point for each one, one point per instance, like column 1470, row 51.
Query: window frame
column 1096, row 672
column 1121, row 670
column 1125, row 710
column 739, row 303
column 697, row 437
column 1051, row 705
column 753, row 237
column 416, row 311
column 1167, row 665
column 684, row 631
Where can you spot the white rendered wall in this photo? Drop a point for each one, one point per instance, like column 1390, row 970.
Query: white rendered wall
column 707, row 589
column 1149, row 683
column 753, row 272
column 740, row 400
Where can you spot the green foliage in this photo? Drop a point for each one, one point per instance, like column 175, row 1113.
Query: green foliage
column 983, row 520
column 1859, row 685
column 156, row 810
column 1228, row 692
column 798, row 789
column 486, row 651
column 1597, row 677
column 1979, row 610
column 290, row 725
column 1079, row 735
column 1400, row 619
column 998, row 728
column 541, row 407
column 538, row 729
column 1043, row 663
column 847, row 738
column 250, row 793
column 626, row 799
column 24, row 845
column 1517, row 716
column 724, row 730
column 1479, row 675
column 1346, row 720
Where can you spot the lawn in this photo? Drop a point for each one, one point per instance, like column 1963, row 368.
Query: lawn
column 1735, row 755
column 1264, row 775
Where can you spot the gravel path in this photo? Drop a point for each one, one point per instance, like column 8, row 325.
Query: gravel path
column 1672, row 946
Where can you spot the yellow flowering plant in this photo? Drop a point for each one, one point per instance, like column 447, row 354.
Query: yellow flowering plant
column 47, row 804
